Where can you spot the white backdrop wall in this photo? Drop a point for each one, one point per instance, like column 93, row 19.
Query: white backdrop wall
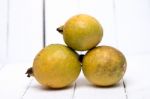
column 126, row 25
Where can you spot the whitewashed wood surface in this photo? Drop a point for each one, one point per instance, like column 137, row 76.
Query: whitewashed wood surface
column 27, row 25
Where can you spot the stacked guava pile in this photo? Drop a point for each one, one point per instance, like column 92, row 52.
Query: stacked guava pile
column 58, row 65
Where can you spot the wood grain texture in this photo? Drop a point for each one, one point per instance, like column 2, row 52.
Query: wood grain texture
column 13, row 81
column 3, row 29
column 25, row 30
column 137, row 77
column 37, row 91
column 133, row 23
column 85, row 90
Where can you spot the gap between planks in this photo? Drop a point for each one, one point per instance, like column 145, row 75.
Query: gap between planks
column 25, row 91
column 74, row 90
column 43, row 42
column 125, row 90
column 116, row 40
column 44, row 23
column 7, row 28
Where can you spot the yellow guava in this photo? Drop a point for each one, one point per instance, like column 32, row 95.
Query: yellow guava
column 104, row 65
column 55, row 66
column 81, row 32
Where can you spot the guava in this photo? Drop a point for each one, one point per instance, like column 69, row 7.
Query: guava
column 55, row 66
column 104, row 65
column 81, row 32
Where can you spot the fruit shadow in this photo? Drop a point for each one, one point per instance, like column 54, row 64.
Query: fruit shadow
column 44, row 88
column 82, row 82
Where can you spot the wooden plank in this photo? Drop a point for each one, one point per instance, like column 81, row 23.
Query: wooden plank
column 105, row 13
column 137, row 77
column 24, row 41
column 133, row 23
column 85, row 90
column 3, row 29
column 25, row 30
column 13, row 81
column 38, row 92
column 1, row 66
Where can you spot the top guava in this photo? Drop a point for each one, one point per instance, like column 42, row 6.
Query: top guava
column 81, row 32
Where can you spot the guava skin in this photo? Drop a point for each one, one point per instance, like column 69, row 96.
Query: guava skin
column 56, row 66
column 82, row 32
column 104, row 66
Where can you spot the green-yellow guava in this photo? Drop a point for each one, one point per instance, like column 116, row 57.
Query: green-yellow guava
column 104, row 65
column 81, row 32
column 55, row 66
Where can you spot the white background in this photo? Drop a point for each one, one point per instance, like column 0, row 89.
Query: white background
column 126, row 25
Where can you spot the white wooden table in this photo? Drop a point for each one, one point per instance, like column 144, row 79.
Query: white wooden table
column 23, row 32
